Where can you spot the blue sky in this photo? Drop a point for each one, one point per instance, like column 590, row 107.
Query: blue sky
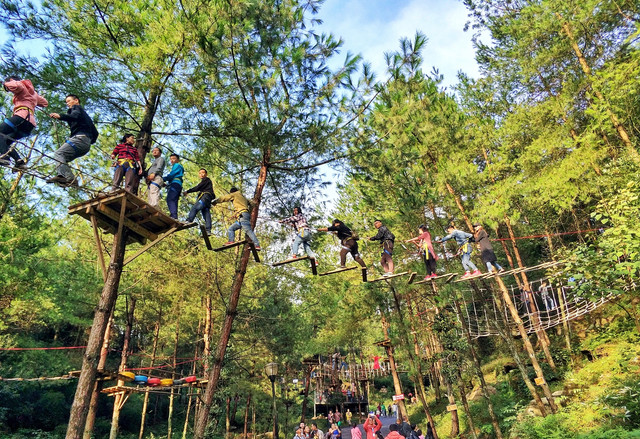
column 373, row 27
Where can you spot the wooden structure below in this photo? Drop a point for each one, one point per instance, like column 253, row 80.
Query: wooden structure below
column 447, row 277
column 142, row 221
column 205, row 236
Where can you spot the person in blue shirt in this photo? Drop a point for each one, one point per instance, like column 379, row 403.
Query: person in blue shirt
column 462, row 239
column 174, row 185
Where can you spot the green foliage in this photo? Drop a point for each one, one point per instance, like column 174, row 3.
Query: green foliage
column 625, row 396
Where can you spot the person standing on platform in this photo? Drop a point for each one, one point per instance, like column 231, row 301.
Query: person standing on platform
column 128, row 163
column 23, row 120
column 462, row 239
column 203, row 203
column 387, row 239
column 429, row 256
column 174, row 185
column 486, row 249
column 303, row 233
column 243, row 219
column 348, row 241
column 154, row 177
column 83, row 135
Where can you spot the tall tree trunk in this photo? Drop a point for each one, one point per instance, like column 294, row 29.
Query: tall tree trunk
column 527, row 343
column 416, row 363
column 455, row 421
column 227, row 419
column 620, row 129
column 307, row 378
column 225, row 333
column 97, row 388
column 397, row 385
column 541, row 334
column 145, row 403
column 246, row 417
column 479, row 373
column 124, row 357
column 173, row 375
column 86, row 382
column 206, row 352
column 465, row 405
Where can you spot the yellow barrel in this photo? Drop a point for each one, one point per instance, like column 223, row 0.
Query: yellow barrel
column 126, row 376
column 166, row 382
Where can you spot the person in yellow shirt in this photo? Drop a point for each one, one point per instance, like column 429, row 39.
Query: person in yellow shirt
column 241, row 212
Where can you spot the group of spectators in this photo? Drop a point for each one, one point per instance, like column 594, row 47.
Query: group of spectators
column 372, row 426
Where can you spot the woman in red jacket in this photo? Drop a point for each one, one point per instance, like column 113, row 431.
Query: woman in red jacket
column 371, row 426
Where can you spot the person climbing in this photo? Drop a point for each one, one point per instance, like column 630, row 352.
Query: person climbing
column 174, row 185
column 462, row 239
column 203, row 202
column 243, row 219
column 348, row 241
column 154, row 177
column 429, row 256
column 486, row 249
column 23, row 120
column 303, row 233
column 83, row 135
column 127, row 163
column 387, row 239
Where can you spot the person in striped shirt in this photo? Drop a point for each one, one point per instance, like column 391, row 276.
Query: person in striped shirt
column 303, row 233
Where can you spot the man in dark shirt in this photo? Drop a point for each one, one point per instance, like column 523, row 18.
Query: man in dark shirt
column 83, row 135
column 347, row 241
column 387, row 240
column 203, row 203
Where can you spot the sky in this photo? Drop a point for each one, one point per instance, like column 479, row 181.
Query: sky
column 372, row 27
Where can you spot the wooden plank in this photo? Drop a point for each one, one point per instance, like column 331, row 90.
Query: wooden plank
column 447, row 277
column 364, row 274
column 389, row 277
column 314, row 266
column 95, row 201
column 412, row 277
column 205, row 236
column 290, row 260
column 469, row 278
column 110, row 213
column 225, row 247
column 256, row 257
column 339, row 270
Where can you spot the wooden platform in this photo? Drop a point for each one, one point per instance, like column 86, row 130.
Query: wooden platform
column 447, row 277
column 252, row 247
column 143, row 221
column 290, row 260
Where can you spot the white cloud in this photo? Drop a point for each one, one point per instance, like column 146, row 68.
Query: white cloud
column 374, row 27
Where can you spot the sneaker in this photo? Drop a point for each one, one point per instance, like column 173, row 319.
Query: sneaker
column 501, row 270
column 20, row 164
column 294, row 256
column 343, row 266
column 57, row 179
column 465, row 275
column 228, row 243
column 427, row 277
column 476, row 273
column 257, row 248
column 433, row 276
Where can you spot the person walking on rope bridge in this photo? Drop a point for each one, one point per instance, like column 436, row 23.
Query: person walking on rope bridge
column 428, row 255
column 547, row 298
column 83, row 135
column 203, row 202
column 303, row 233
column 348, row 241
column 154, row 177
column 127, row 163
column 387, row 239
column 462, row 239
column 486, row 249
column 174, row 185
column 22, row 122
column 241, row 213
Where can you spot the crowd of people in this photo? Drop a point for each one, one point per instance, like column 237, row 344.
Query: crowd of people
column 371, row 427
column 129, row 167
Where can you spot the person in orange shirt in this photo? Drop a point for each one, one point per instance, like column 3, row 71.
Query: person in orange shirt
column 393, row 432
